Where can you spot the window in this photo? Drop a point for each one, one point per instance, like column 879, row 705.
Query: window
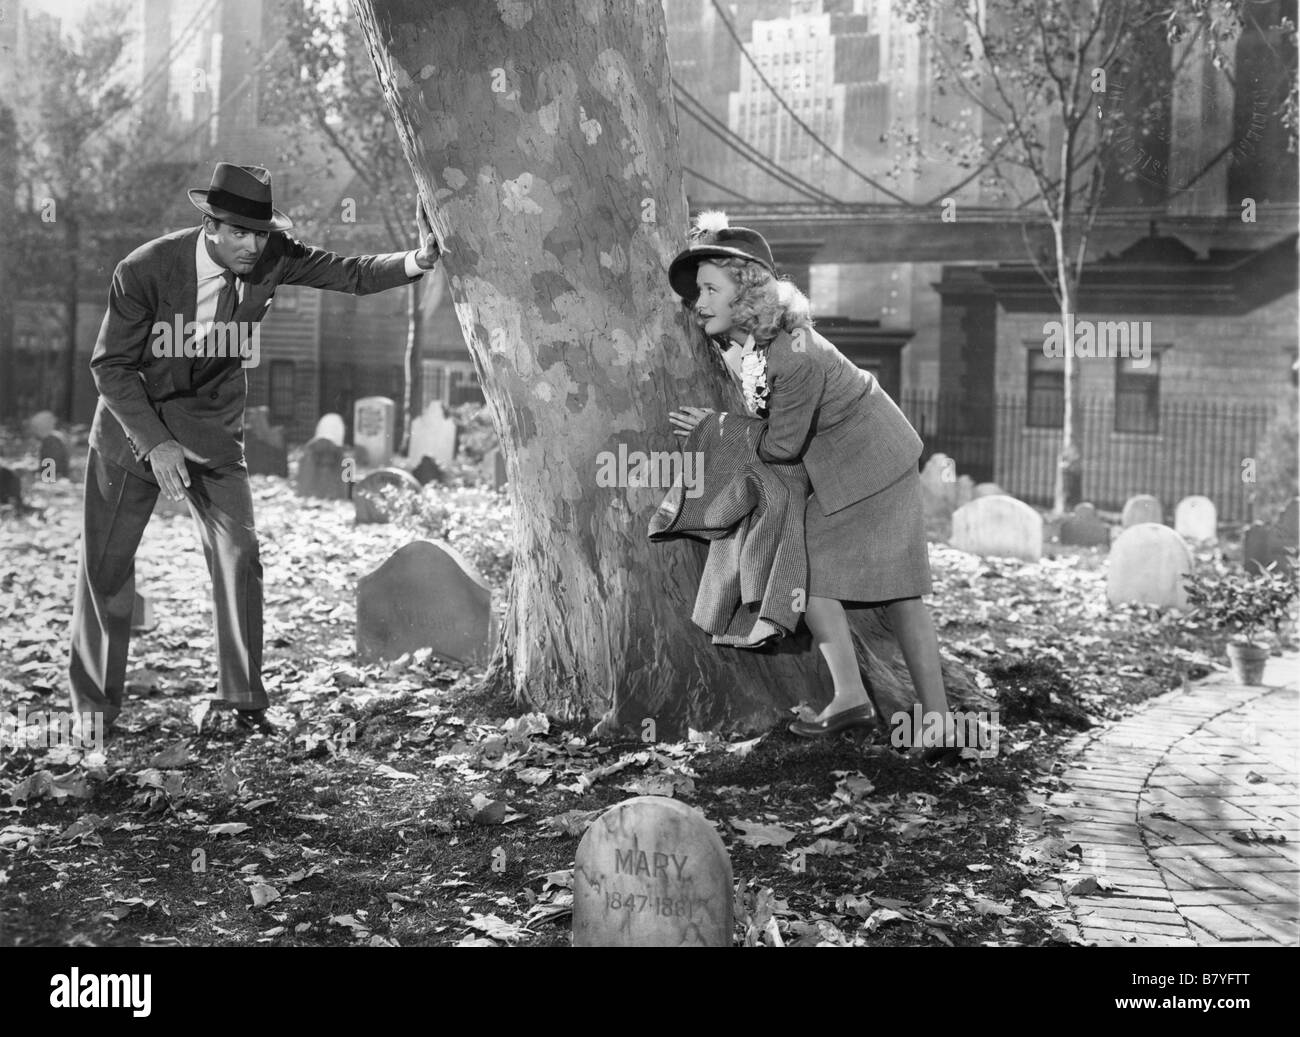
column 1137, row 395
column 1045, row 390
column 283, row 392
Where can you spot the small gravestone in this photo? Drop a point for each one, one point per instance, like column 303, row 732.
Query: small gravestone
column 1146, row 565
column 320, row 471
column 42, row 423
column 1000, row 527
column 939, row 486
column 331, row 427
column 142, row 618
column 427, row 471
column 265, row 452
column 11, row 487
column 374, row 420
column 1142, row 508
column 425, row 596
column 493, row 469
column 433, row 434
column 1084, row 528
column 1196, row 520
column 652, row 872
column 372, row 495
column 989, row 489
column 52, row 456
column 1264, row 546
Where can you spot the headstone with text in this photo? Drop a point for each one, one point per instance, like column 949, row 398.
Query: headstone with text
column 652, row 872
column 426, row 595
column 374, row 421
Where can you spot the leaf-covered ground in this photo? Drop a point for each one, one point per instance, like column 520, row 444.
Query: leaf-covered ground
column 402, row 805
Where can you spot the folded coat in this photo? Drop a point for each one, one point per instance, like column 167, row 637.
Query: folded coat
column 753, row 587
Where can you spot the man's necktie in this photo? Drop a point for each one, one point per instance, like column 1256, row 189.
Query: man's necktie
column 209, row 364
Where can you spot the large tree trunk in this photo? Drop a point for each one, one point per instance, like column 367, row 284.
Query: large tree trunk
column 544, row 143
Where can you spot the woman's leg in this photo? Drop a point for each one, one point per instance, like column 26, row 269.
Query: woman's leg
column 914, row 631
column 830, row 630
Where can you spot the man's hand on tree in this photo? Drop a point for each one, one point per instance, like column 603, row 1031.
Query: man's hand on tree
column 427, row 255
column 168, row 462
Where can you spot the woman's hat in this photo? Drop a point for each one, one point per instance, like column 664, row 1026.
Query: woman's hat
column 712, row 238
column 240, row 195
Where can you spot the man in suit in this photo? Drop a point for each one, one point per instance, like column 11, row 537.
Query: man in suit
column 171, row 416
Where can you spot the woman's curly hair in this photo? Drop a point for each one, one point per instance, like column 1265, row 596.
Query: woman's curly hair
column 765, row 305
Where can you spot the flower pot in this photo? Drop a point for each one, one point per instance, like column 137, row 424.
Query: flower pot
column 1247, row 662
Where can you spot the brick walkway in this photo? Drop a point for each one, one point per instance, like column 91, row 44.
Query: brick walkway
column 1179, row 806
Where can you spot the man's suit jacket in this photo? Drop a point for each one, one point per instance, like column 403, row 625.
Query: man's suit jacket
column 833, row 416
column 752, row 514
column 145, row 399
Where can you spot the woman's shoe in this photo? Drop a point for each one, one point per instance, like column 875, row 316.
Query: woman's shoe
column 858, row 716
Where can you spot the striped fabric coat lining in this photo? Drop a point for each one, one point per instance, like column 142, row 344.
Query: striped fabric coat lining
column 753, row 587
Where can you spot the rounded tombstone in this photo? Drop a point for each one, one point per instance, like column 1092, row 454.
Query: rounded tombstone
column 42, row 423
column 1146, row 566
column 54, row 455
column 1141, row 508
column 1196, row 520
column 652, row 872
column 988, row 489
column 373, row 494
column 1000, row 527
column 331, row 427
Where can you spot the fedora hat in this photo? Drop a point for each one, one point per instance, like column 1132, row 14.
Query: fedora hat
column 713, row 238
column 240, row 195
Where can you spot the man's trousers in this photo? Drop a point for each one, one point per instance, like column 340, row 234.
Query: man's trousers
column 117, row 509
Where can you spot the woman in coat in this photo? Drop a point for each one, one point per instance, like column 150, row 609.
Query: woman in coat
column 865, row 529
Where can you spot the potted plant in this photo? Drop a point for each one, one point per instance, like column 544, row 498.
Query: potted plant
column 1245, row 602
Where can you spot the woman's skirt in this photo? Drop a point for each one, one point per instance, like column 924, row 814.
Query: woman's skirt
column 873, row 551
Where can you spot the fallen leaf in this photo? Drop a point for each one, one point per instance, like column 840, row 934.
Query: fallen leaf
column 229, row 828
column 755, row 833
column 263, row 894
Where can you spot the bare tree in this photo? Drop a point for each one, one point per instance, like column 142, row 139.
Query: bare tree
column 1044, row 76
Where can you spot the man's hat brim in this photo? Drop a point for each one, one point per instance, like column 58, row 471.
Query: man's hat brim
column 682, row 271
column 278, row 221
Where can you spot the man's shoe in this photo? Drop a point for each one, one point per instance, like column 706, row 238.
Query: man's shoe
column 858, row 716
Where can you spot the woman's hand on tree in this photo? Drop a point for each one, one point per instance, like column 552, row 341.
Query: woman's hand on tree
column 686, row 419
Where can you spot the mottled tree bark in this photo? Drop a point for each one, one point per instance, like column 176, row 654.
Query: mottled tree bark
column 543, row 140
